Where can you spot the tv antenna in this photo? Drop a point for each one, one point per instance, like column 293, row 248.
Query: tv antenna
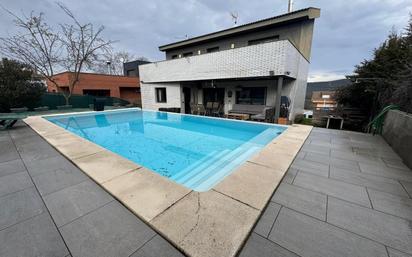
column 235, row 17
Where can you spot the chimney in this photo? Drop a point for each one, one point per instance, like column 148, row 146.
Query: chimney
column 290, row 6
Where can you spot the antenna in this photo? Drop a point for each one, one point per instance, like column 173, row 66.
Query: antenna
column 235, row 17
column 290, row 6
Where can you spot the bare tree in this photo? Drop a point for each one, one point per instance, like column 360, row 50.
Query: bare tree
column 72, row 47
column 112, row 62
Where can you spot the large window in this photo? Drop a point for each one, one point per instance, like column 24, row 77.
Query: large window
column 251, row 95
column 160, row 95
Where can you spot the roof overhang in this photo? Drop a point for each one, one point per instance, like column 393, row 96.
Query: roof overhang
column 304, row 14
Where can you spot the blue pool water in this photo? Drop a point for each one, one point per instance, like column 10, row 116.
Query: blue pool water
column 194, row 151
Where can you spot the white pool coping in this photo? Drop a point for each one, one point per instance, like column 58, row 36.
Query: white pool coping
column 212, row 223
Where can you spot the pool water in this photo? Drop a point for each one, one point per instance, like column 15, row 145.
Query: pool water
column 194, row 151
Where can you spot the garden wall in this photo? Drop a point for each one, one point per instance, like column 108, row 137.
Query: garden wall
column 397, row 131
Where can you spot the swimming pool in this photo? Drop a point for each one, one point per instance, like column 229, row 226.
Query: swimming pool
column 194, row 151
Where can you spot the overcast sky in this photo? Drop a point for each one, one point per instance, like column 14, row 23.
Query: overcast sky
column 344, row 35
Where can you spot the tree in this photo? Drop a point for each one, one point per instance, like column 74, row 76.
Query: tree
column 112, row 62
column 71, row 47
column 383, row 80
column 19, row 85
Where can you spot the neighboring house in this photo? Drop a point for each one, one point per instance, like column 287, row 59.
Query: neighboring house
column 332, row 85
column 131, row 69
column 127, row 88
column 324, row 100
column 242, row 66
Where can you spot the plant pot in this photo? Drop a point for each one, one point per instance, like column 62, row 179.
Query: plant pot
column 283, row 121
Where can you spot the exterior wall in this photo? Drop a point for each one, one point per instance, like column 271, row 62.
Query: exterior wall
column 397, row 131
column 246, row 62
column 90, row 81
column 298, row 89
column 299, row 33
column 173, row 95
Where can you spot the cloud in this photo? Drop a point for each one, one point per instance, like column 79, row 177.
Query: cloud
column 344, row 35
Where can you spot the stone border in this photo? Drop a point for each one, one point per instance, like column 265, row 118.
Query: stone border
column 212, row 223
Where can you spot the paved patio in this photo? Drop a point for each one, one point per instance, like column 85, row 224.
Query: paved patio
column 346, row 194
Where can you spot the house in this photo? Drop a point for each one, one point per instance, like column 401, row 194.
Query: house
column 127, row 88
column 245, row 67
column 324, row 100
column 332, row 85
column 131, row 69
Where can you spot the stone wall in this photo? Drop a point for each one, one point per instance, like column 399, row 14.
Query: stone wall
column 397, row 131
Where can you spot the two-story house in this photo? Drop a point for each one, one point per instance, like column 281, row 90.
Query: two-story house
column 247, row 66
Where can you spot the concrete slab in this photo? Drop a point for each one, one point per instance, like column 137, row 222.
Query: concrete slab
column 257, row 246
column 107, row 231
column 307, row 236
column 157, row 247
column 349, row 192
column 392, row 204
column 34, row 237
column 384, row 171
column 302, row 200
column 205, row 224
column 73, row 202
column 146, row 193
column 10, row 167
column 408, row 187
column 371, row 181
column 104, row 165
column 290, row 175
column 266, row 220
column 384, row 228
column 315, row 168
column 243, row 182
column 396, row 253
column 14, row 182
column 47, row 165
column 19, row 206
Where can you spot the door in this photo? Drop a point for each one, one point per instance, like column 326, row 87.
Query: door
column 213, row 95
column 186, row 98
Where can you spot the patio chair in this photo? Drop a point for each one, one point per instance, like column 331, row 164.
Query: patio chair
column 218, row 111
column 266, row 116
column 7, row 120
column 209, row 108
column 201, row 109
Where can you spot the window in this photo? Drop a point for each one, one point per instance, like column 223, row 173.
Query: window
column 187, row 54
column 251, row 95
column 160, row 94
column 232, row 45
column 263, row 40
column 199, row 52
column 131, row 73
column 174, row 56
column 212, row 49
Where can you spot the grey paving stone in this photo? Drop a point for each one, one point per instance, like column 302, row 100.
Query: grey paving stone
column 19, row 206
column 311, row 167
column 307, row 236
column 14, row 182
column 257, row 246
column 72, row 202
column 392, row 204
column 38, row 167
column 10, row 167
column 21, row 130
column 396, row 253
column 109, row 231
column 265, row 223
column 382, row 170
column 157, row 247
column 300, row 155
column 339, row 154
column 408, row 187
column 384, row 228
column 342, row 190
column 28, row 140
column 8, row 152
column 58, row 179
column 302, row 200
column 290, row 175
column 371, row 181
column 316, row 149
column 34, row 237
column 36, row 151
column 335, row 162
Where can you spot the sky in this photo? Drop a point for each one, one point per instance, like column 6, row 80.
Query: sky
column 344, row 35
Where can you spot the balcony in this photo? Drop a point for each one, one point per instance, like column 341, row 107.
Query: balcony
column 255, row 61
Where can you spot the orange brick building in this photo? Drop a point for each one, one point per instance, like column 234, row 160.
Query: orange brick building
column 127, row 88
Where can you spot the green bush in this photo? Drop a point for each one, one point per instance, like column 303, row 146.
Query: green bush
column 300, row 119
column 19, row 87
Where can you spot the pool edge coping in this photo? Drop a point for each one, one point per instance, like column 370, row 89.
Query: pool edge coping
column 172, row 194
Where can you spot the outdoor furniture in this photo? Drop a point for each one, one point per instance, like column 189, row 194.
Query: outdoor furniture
column 218, row 112
column 209, row 107
column 7, row 120
column 334, row 117
column 267, row 115
column 238, row 116
column 98, row 104
column 247, row 108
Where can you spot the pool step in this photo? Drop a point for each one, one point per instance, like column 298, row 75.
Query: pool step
column 203, row 179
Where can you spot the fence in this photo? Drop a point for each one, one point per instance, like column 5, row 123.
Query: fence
column 52, row 100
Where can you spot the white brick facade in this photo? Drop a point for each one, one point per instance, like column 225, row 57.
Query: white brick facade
column 173, row 95
column 244, row 62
